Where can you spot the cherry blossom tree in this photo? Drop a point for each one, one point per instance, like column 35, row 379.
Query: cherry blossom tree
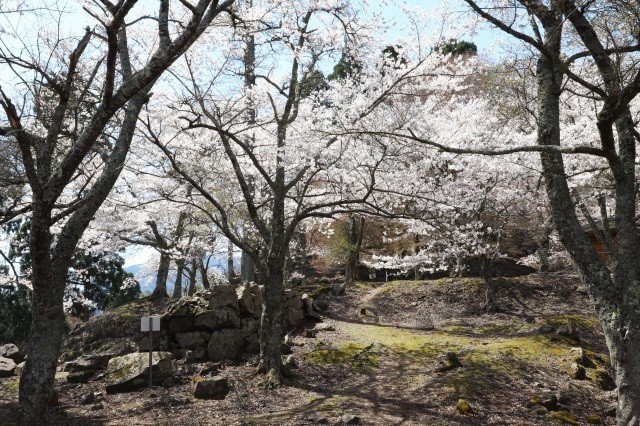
column 72, row 115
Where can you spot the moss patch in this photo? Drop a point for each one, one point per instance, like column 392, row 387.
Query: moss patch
column 357, row 355
column 564, row 417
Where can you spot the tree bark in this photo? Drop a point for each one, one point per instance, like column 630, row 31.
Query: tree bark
column 230, row 273
column 491, row 305
column 543, row 250
column 356, row 231
column 177, row 286
column 160, row 290
column 271, row 332
column 193, row 270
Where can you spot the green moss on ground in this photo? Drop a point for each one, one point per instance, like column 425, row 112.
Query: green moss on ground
column 357, row 355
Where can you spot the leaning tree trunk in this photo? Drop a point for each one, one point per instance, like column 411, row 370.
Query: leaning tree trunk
column 616, row 297
column 160, row 291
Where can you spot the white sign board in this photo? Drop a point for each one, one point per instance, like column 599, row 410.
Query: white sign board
column 154, row 321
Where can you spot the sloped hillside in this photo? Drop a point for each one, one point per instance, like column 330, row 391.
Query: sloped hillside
column 404, row 352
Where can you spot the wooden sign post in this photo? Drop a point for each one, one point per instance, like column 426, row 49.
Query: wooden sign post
column 150, row 324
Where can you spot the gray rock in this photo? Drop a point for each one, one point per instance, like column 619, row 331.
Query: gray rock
column 577, row 372
column 223, row 296
column 546, row 329
column 196, row 355
column 548, row 400
column 7, row 367
column 129, row 372
column 88, row 362
column 181, row 324
column 213, row 388
column 224, row 344
column 250, row 299
column 323, row 326
column 349, row 419
column 12, row 352
column 192, row 339
column 81, row 376
column 217, row 319
column 293, row 315
column 448, row 361
column 290, row 362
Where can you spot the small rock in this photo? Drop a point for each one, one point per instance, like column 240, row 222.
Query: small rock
column 285, row 349
column 12, row 352
column 565, row 417
column 593, row 419
column 564, row 398
column 290, row 362
column 19, row 368
column 448, row 361
column 80, row 376
column 547, row 400
column 602, row 379
column 582, row 290
column 310, row 334
column 463, row 407
column 546, row 329
column 213, row 388
column 611, row 411
column 577, row 372
column 414, row 304
column 98, row 406
column 563, row 330
column 323, row 326
column 7, row 367
column 529, row 319
column 89, row 398
column 349, row 419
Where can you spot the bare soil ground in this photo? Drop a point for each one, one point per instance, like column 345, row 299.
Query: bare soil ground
column 379, row 363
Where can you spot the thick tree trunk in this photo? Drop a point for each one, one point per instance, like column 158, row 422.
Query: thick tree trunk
column 160, row 291
column 177, row 286
column 271, row 332
column 616, row 297
column 247, row 268
column 47, row 327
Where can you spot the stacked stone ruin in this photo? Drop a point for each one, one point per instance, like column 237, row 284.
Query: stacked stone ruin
column 221, row 323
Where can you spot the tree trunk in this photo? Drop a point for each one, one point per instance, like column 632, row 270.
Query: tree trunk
column 247, row 268
column 616, row 297
column 203, row 274
column 230, row 274
column 491, row 305
column 543, row 250
column 177, row 286
column 47, row 326
column 160, row 291
column 356, row 231
column 192, row 277
column 271, row 332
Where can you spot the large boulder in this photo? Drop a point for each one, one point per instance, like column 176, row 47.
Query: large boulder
column 130, row 372
column 180, row 324
column 192, row 339
column 218, row 319
column 250, row 299
column 210, row 388
column 225, row 344
column 11, row 351
column 223, row 295
column 7, row 367
column 88, row 362
column 293, row 314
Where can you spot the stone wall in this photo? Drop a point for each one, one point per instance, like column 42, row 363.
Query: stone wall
column 219, row 324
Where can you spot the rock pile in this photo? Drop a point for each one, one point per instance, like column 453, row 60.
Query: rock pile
column 222, row 323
